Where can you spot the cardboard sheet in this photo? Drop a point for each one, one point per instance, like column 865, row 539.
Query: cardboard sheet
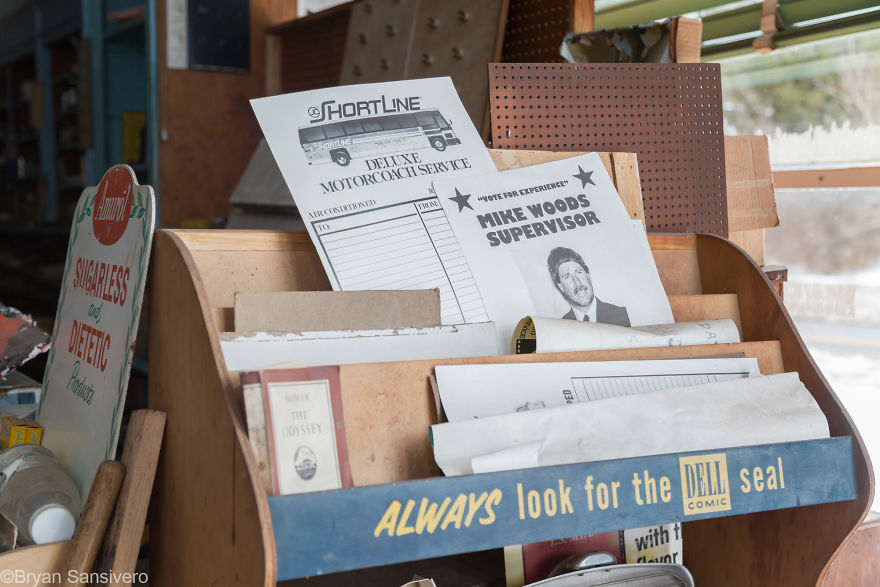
column 742, row 412
column 297, row 311
column 751, row 200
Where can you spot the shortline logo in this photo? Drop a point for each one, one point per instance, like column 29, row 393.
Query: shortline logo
column 331, row 110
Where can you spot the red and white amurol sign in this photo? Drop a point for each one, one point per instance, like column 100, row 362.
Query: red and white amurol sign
column 96, row 322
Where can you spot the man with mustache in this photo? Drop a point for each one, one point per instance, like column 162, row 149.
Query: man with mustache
column 571, row 276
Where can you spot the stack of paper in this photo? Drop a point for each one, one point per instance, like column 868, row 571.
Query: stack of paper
column 480, row 391
column 742, row 412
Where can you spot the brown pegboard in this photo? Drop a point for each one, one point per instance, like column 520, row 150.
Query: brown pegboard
column 410, row 39
column 668, row 114
column 535, row 29
column 377, row 48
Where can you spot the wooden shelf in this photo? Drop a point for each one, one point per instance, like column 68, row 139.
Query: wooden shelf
column 815, row 472
column 209, row 497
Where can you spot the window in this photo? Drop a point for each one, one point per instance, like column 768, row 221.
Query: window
column 389, row 123
column 311, row 134
column 353, row 127
column 441, row 122
column 334, row 130
column 371, row 125
column 816, row 102
column 819, row 106
column 426, row 119
column 408, row 120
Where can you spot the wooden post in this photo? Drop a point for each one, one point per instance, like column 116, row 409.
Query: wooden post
column 140, row 457
column 582, row 16
column 770, row 25
column 93, row 523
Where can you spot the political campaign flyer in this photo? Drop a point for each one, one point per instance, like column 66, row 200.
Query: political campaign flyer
column 554, row 240
column 359, row 161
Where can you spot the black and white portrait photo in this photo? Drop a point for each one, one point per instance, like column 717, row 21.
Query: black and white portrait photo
column 571, row 276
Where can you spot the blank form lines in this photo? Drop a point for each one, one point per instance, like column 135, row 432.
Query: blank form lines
column 596, row 388
column 403, row 246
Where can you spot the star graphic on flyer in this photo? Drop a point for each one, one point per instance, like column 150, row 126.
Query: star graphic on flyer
column 586, row 177
column 462, row 200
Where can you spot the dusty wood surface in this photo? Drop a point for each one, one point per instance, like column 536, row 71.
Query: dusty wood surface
column 209, row 521
column 582, row 15
column 216, row 485
column 751, row 199
column 143, row 441
column 859, row 561
column 687, row 40
column 94, row 519
column 39, row 559
column 689, row 308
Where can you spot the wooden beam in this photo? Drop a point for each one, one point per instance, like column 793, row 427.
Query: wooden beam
column 770, row 25
column 93, row 523
column 582, row 14
column 851, row 177
column 140, row 455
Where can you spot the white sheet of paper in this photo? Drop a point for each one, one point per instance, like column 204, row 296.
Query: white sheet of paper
column 529, row 234
column 259, row 350
column 552, row 335
column 653, row 543
column 480, row 391
column 741, row 412
column 359, row 161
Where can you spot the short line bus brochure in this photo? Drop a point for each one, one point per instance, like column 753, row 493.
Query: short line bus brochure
column 359, row 161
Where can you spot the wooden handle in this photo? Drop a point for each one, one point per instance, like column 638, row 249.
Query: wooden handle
column 95, row 517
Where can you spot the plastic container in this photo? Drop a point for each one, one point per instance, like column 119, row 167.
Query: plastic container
column 37, row 495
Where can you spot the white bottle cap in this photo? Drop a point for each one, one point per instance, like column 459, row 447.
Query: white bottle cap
column 52, row 524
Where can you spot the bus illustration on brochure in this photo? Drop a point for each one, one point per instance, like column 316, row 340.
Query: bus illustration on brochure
column 342, row 141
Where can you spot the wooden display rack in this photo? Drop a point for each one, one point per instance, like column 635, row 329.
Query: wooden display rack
column 212, row 522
